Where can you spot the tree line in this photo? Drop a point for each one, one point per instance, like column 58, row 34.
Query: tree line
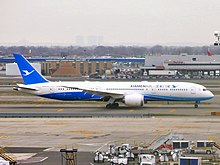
column 114, row 51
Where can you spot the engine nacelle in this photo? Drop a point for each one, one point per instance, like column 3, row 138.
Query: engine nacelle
column 134, row 100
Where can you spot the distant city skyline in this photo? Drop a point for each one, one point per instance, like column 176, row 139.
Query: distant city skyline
column 109, row 22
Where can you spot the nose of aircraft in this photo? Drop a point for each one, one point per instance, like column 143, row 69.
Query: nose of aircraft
column 211, row 95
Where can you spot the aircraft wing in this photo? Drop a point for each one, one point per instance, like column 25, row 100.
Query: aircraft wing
column 103, row 93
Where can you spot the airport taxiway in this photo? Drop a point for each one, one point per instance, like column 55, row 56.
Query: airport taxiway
column 34, row 104
column 93, row 134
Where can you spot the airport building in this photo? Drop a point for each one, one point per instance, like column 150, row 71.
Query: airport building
column 12, row 69
column 192, row 66
column 75, row 68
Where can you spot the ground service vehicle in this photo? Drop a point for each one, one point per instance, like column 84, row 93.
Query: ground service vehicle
column 118, row 160
column 203, row 147
column 146, row 159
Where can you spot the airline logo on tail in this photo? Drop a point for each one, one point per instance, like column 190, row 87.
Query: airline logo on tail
column 27, row 73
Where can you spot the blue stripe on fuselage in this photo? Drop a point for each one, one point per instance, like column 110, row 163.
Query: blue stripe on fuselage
column 71, row 96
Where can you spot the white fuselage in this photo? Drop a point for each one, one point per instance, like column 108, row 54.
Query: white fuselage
column 168, row 91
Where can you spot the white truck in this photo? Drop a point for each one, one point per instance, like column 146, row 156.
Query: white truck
column 146, row 159
column 118, row 160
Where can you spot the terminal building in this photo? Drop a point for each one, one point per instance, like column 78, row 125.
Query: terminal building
column 183, row 65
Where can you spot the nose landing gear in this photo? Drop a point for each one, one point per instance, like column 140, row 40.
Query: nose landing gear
column 196, row 105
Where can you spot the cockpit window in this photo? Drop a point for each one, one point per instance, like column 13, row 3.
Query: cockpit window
column 204, row 89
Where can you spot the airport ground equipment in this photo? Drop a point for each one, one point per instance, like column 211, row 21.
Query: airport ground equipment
column 156, row 144
column 69, row 156
column 118, row 160
column 4, row 162
column 167, row 163
column 99, row 157
column 202, row 147
column 124, row 148
column 146, row 159
column 7, row 156
column 129, row 155
column 116, row 155
column 190, row 161
column 180, row 144
column 111, row 150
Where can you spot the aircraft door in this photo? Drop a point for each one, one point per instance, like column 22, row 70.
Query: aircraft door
column 153, row 89
column 51, row 89
column 193, row 90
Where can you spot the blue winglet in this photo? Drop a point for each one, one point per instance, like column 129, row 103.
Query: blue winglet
column 29, row 74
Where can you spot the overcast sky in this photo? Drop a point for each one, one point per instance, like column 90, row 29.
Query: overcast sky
column 118, row 21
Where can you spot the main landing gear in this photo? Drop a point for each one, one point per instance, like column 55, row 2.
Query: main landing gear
column 112, row 105
column 196, row 105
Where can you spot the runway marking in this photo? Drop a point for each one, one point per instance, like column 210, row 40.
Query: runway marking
column 172, row 110
column 105, row 144
column 161, row 131
column 213, row 138
column 49, row 149
column 84, row 132
column 43, row 159
column 181, row 126
column 89, row 144
column 3, row 137
column 206, row 112
column 55, row 123
column 41, row 99
column 60, row 110
column 186, row 127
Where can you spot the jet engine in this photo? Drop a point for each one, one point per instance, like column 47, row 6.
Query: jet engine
column 134, row 100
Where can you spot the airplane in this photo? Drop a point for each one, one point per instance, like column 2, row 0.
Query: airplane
column 134, row 94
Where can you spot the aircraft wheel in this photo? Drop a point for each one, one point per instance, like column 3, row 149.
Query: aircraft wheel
column 115, row 105
column 208, row 152
column 196, row 105
column 108, row 106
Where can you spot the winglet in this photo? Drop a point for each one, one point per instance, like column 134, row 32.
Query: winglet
column 29, row 74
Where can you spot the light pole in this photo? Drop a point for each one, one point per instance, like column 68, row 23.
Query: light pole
column 217, row 35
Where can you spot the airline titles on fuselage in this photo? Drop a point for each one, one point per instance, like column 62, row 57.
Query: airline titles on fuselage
column 157, row 86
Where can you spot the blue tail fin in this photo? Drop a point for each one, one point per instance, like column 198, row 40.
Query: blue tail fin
column 29, row 74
